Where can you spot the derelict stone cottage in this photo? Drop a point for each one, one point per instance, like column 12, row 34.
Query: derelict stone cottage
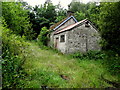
column 71, row 36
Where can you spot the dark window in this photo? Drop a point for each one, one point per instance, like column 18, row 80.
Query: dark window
column 62, row 38
column 57, row 38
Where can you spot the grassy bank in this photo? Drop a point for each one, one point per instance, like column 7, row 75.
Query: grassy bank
column 28, row 65
column 46, row 68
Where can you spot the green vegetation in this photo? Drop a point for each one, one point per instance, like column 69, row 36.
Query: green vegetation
column 17, row 19
column 48, row 68
column 14, row 56
column 51, row 69
column 43, row 15
column 110, row 30
column 43, row 37
column 32, row 67
column 27, row 63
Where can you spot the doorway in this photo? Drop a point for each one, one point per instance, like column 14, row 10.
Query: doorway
column 56, row 42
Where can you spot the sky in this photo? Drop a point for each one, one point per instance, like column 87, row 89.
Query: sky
column 63, row 3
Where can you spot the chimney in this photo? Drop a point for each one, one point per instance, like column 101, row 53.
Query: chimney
column 69, row 13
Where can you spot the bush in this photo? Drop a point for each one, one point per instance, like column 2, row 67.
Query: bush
column 42, row 37
column 110, row 59
column 114, row 64
column 14, row 56
column 91, row 55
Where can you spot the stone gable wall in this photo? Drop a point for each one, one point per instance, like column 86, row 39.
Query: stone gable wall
column 82, row 39
column 69, row 22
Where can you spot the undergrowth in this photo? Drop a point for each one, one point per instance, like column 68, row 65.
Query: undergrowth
column 110, row 58
column 13, row 57
column 51, row 69
column 28, row 65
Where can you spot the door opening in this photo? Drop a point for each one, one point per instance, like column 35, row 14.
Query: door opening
column 56, row 42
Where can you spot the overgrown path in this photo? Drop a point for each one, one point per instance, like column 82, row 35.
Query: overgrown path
column 46, row 68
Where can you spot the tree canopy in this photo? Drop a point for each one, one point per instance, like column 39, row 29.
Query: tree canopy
column 16, row 18
column 22, row 23
column 110, row 26
column 25, row 20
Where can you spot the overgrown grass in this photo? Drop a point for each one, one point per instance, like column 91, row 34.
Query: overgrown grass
column 28, row 65
column 46, row 68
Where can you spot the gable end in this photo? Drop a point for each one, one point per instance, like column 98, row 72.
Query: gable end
column 65, row 22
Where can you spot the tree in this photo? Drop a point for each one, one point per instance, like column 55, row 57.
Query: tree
column 83, row 11
column 93, row 13
column 77, row 6
column 41, row 16
column 16, row 18
column 61, row 13
column 109, row 23
column 80, row 16
column 47, row 11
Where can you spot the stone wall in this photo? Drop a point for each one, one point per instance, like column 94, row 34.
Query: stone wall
column 69, row 22
column 82, row 39
column 61, row 45
column 78, row 39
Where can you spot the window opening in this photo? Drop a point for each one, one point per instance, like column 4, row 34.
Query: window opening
column 62, row 38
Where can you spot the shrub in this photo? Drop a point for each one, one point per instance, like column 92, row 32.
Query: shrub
column 112, row 61
column 14, row 56
column 91, row 55
column 42, row 37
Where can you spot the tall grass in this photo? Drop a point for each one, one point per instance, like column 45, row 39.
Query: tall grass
column 47, row 68
column 27, row 65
